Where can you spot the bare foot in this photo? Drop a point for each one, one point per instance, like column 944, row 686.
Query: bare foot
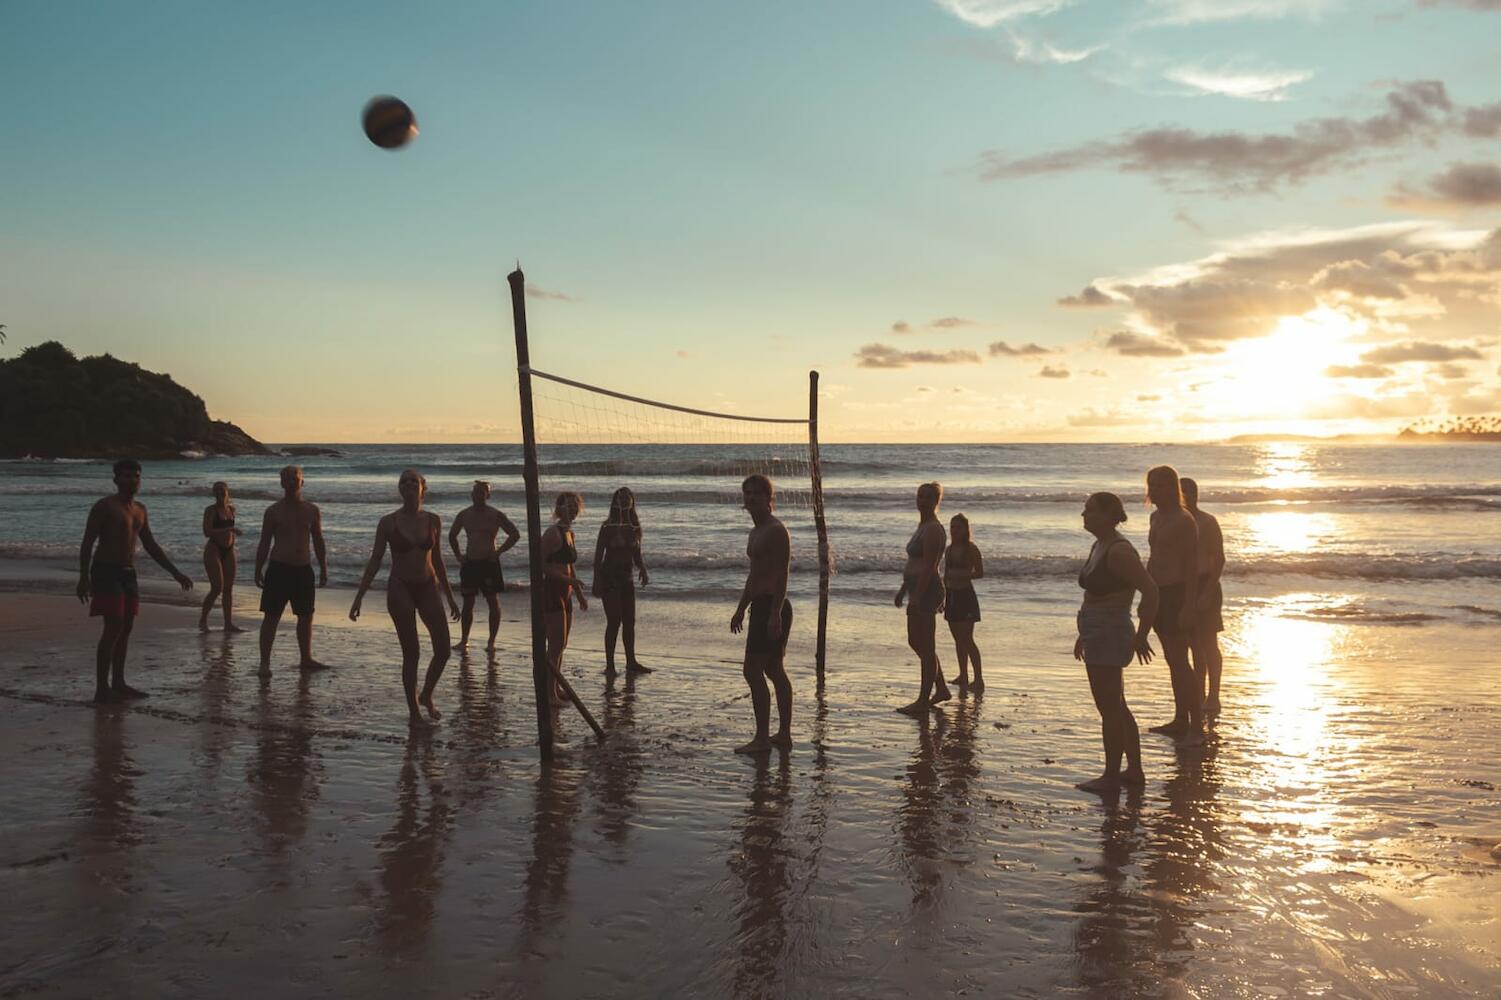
column 104, row 696
column 609, row 670
column 1104, row 783
column 1212, row 708
column 943, row 695
column 962, row 680
column 1170, row 728
column 490, row 646
column 231, row 627
column 312, row 665
column 636, row 668
column 203, row 624
column 426, row 701
column 783, row 740
column 125, row 692
column 978, row 684
column 755, row 746
column 265, row 670
column 917, row 709
column 1133, row 776
column 1190, row 738
column 418, row 724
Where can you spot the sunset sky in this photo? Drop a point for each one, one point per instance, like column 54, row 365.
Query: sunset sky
column 979, row 219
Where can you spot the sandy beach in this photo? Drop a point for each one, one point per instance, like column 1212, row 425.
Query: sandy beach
column 288, row 838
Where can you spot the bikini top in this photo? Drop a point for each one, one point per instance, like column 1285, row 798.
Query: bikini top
column 1100, row 580
column 565, row 553
column 223, row 522
column 914, row 546
column 401, row 543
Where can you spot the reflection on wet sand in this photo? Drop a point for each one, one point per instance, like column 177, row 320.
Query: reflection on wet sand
column 281, row 774
column 1113, row 937
column 215, row 695
column 764, row 867
column 478, row 725
column 1184, row 844
column 615, row 774
column 412, row 852
column 936, row 820
column 545, row 893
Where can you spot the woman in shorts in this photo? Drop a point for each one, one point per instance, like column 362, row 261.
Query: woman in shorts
column 1111, row 577
column 617, row 566
column 962, row 566
column 922, row 588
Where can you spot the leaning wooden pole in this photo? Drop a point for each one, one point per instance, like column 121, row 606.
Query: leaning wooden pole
column 818, row 521
column 541, row 670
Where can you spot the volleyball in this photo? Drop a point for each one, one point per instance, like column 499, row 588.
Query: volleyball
column 389, row 123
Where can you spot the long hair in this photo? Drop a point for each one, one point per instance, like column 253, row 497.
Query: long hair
column 1190, row 493
column 959, row 525
column 620, row 513
column 1165, row 479
column 560, row 506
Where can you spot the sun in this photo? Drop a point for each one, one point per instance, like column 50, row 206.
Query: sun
column 1281, row 376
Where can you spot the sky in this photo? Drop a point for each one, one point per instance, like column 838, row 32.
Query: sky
column 980, row 220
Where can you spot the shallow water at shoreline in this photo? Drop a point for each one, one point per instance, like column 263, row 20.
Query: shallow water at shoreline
column 1336, row 840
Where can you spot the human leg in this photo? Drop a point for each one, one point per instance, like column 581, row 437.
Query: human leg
column 628, row 632
column 213, row 572
column 1186, row 693
column 104, row 655
column 117, row 662
column 755, row 672
column 466, row 619
column 230, row 563
column 430, row 607
column 403, row 614
column 611, row 601
column 269, row 621
column 494, row 601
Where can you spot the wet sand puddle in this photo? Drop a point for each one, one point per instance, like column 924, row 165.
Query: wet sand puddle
column 289, row 838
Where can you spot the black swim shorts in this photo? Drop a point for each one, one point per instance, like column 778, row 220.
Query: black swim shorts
column 481, row 576
column 924, row 604
column 1169, row 609
column 756, row 640
column 284, row 584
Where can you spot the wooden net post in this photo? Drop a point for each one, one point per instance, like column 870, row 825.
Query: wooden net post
column 818, row 521
column 541, row 671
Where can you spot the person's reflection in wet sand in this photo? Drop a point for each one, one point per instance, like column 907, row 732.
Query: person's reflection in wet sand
column 917, row 819
column 545, row 895
column 215, row 697
column 1113, row 937
column 1185, row 842
column 479, row 727
column 281, row 774
column 959, row 768
column 107, row 880
column 412, row 852
column 615, row 774
column 764, row 867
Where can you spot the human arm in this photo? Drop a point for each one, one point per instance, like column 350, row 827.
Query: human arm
column 1126, row 565
column 641, row 573
column 781, row 558
column 86, row 549
column 377, row 556
column 1214, row 540
column 512, row 535
column 453, row 535
column 1189, row 530
column 441, row 569
column 268, row 532
column 976, row 562
column 319, row 549
column 597, row 587
column 148, row 542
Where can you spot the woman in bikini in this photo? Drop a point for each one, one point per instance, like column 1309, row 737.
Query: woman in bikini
column 219, row 558
column 617, row 563
column 417, row 575
column 922, row 587
column 962, row 566
column 1111, row 576
column 559, row 581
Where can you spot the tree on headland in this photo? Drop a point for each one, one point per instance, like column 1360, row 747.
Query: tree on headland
column 1479, row 428
column 54, row 404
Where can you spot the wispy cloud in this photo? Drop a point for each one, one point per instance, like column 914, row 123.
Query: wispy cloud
column 1460, row 186
column 1359, row 371
column 1240, row 163
column 951, row 323
column 1135, row 345
column 542, row 294
column 1250, row 85
column 1053, row 371
column 989, row 13
column 1201, row 11
column 1490, row 5
column 1090, row 298
column 1002, row 349
column 1419, row 351
column 886, row 356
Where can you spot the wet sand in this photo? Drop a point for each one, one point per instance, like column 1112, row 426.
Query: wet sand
column 289, row 838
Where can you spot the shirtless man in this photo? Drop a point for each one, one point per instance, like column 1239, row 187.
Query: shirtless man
column 290, row 523
column 1207, row 660
column 116, row 522
column 1174, row 565
column 479, row 562
column 770, row 550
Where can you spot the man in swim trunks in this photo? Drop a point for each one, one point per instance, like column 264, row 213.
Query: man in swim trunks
column 479, row 562
column 108, row 576
column 770, row 551
column 1173, row 538
column 1207, row 659
column 290, row 524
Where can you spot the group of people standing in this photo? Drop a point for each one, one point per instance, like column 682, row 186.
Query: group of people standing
column 1179, row 587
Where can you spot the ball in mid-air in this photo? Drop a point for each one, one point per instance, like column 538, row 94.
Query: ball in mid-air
column 389, row 123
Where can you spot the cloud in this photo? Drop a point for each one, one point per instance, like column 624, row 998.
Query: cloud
column 1466, row 4
column 1241, row 163
column 1051, row 371
column 1416, row 351
column 1134, row 345
column 1450, row 370
column 1483, row 122
column 1150, row 398
column 1098, row 373
column 1200, row 11
column 1090, row 298
column 1462, row 185
column 1041, row 51
column 1265, row 85
column 1092, row 417
column 1002, row 349
column 885, row 356
column 1359, row 371
column 951, row 323
column 543, row 295
column 989, row 13
column 1384, row 277
column 901, row 326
